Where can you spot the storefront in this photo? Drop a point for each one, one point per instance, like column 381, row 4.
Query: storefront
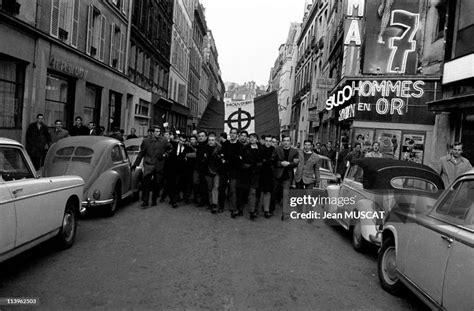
column 391, row 111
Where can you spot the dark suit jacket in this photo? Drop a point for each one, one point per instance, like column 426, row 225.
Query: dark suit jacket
column 153, row 151
column 279, row 156
column 177, row 163
column 37, row 139
column 79, row 131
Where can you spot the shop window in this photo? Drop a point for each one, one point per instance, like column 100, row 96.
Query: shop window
column 92, row 104
column 12, row 81
column 65, row 20
column 96, row 25
column 441, row 10
column 57, row 95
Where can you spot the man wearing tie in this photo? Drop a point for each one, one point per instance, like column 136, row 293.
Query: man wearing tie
column 92, row 130
column 177, row 166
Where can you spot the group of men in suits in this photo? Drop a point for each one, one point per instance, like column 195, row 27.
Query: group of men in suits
column 240, row 169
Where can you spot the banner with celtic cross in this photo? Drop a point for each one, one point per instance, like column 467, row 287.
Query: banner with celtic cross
column 239, row 115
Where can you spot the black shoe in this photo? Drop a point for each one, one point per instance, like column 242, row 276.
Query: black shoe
column 213, row 209
column 234, row 214
column 153, row 203
column 220, row 210
column 267, row 215
column 162, row 200
column 282, row 217
column 144, row 205
column 240, row 213
column 253, row 216
column 174, row 205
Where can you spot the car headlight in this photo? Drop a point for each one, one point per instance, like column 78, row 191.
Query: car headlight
column 96, row 194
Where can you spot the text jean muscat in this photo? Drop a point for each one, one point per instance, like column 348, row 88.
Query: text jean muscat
column 306, row 201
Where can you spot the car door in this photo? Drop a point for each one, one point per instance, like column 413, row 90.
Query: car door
column 351, row 188
column 429, row 247
column 459, row 277
column 119, row 166
column 127, row 177
column 35, row 205
column 7, row 220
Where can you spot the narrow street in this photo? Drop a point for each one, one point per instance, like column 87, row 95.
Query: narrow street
column 186, row 258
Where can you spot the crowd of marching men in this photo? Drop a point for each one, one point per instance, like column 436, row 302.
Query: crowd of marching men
column 240, row 168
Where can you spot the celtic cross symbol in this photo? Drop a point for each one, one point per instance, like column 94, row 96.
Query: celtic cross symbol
column 240, row 116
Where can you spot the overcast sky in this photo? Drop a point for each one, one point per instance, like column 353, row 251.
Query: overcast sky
column 248, row 34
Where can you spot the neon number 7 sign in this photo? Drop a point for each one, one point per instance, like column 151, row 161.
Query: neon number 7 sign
column 404, row 44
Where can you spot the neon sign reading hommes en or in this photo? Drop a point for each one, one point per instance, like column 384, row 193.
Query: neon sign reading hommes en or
column 394, row 90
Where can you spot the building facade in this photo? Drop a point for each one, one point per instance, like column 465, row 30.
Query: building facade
column 180, row 47
column 64, row 59
column 455, row 108
column 195, row 63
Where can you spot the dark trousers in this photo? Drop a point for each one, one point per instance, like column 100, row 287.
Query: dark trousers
column 200, row 187
column 176, row 185
column 152, row 182
column 233, row 194
column 223, row 186
column 282, row 186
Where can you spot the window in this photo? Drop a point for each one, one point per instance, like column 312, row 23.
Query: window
column 116, row 154
column 115, row 110
column 65, row 20
column 441, row 20
column 142, row 108
column 12, row 82
column 92, row 104
column 458, row 205
column 13, row 165
column 413, row 183
column 96, row 25
column 355, row 173
column 121, row 5
column 57, row 94
column 465, row 28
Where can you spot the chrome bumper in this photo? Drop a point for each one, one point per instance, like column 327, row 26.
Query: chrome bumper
column 93, row 203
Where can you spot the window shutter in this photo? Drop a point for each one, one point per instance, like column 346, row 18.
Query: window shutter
column 123, row 5
column 90, row 23
column 75, row 24
column 102, row 38
column 121, row 52
column 54, row 18
column 112, row 44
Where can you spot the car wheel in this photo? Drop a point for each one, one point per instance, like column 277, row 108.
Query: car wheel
column 387, row 264
column 358, row 241
column 67, row 234
column 116, row 196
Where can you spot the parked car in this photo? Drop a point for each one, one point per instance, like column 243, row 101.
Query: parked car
column 369, row 188
column 104, row 165
column 429, row 247
column 34, row 209
column 327, row 174
column 133, row 148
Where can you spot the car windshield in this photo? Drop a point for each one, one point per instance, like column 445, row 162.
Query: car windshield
column 80, row 154
column 326, row 164
column 13, row 165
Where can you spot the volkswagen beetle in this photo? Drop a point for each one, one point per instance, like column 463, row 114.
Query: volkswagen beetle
column 104, row 165
column 368, row 193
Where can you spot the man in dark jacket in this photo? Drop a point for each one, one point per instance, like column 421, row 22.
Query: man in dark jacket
column 176, row 163
column 252, row 159
column 266, row 175
column 199, row 180
column 38, row 141
column 232, row 161
column 285, row 159
column 189, row 169
column 153, row 151
column 213, row 163
column 79, row 129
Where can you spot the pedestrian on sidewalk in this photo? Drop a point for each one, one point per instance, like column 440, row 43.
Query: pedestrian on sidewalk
column 59, row 132
column 38, row 140
column 79, row 129
column 375, row 152
column 453, row 165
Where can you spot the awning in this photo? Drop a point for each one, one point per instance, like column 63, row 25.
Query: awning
column 452, row 103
